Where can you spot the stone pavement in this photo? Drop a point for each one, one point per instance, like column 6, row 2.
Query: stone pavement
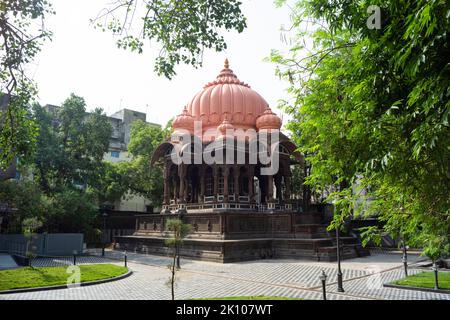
column 363, row 279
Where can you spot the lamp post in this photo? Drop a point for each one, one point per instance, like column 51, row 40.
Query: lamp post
column 323, row 278
column 338, row 252
column 339, row 273
column 405, row 259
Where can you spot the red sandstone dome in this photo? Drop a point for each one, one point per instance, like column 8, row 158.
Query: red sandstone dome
column 184, row 121
column 268, row 121
column 228, row 98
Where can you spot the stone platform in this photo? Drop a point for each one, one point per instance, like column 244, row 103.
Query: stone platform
column 239, row 236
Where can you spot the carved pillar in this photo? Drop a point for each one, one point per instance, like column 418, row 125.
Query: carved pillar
column 270, row 188
column 236, row 183
column 251, row 175
column 167, row 183
column 225, row 172
column 279, row 188
column 202, row 183
column 216, row 181
column 182, row 175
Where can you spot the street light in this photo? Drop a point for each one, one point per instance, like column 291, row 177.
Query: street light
column 339, row 273
column 323, row 278
column 338, row 252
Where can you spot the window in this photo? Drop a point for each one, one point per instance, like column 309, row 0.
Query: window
column 115, row 154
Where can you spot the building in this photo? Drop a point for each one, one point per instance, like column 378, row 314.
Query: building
column 121, row 123
column 238, row 204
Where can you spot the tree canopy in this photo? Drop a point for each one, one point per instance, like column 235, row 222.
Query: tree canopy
column 370, row 109
column 20, row 41
column 183, row 28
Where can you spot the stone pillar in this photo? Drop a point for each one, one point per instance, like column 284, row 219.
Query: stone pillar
column 182, row 175
column 236, row 183
column 167, row 184
column 251, row 183
column 202, row 184
column 175, row 188
column 270, row 188
column 279, row 188
column 225, row 171
column 216, row 181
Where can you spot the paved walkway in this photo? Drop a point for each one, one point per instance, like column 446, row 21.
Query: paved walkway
column 363, row 279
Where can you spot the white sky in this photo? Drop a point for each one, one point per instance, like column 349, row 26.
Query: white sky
column 87, row 62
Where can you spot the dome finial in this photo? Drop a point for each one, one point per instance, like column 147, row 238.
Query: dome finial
column 227, row 64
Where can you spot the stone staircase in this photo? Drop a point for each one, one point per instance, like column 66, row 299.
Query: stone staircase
column 314, row 241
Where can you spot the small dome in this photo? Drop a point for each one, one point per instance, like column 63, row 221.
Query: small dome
column 184, row 121
column 224, row 126
column 268, row 120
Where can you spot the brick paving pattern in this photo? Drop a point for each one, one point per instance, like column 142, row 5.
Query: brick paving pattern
column 363, row 279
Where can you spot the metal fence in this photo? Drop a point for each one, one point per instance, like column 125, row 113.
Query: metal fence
column 48, row 244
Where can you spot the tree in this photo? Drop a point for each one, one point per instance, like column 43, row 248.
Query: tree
column 136, row 175
column 30, row 225
column 370, row 109
column 70, row 146
column 71, row 211
column 26, row 198
column 183, row 28
column 179, row 231
column 20, row 41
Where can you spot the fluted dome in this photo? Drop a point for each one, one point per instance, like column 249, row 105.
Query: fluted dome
column 268, row 121
column 184, row 121
column 227, row 97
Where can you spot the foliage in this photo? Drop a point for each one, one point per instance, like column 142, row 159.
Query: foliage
column 53, row 276
column 71, row 211
column 26, row 198
column 70, row 146
column 20, row 41
column 370, row 110
column 179, row 231
column 136, row 176
column 182, row 28
column 29, row 227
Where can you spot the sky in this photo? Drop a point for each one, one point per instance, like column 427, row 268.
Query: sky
column 87, row 62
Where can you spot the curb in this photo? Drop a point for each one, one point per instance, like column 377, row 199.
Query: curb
column 82, row 284
column 397, row 286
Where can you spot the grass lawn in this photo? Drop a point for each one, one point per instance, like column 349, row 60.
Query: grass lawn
column 426, row 280
column 250, row 298
column 51, row 276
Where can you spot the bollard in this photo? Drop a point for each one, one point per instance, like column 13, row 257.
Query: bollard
column 125, row 260
column 74, row 259
column 405, row 259
column 323, row 278
column 103, row 251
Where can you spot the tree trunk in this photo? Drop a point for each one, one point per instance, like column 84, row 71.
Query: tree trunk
column 173, row 275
